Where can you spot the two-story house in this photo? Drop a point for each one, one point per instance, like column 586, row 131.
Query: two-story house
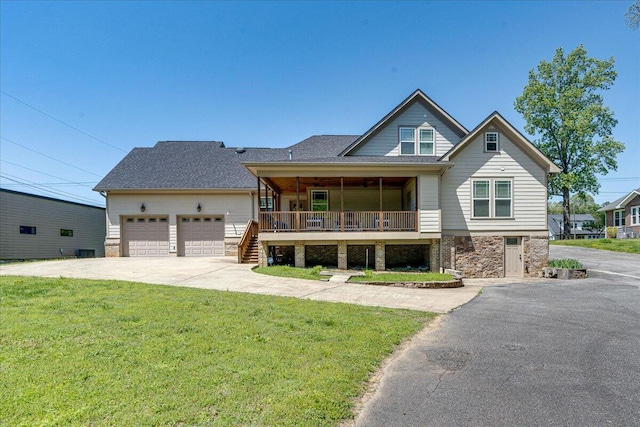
column 417, row 189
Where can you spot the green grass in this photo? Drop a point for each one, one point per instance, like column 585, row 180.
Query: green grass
column 631, row 246
column 312, row 273
column 565, row 263
column 82, row 352
column 401, row 277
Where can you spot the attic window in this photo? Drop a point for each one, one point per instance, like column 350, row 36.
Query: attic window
column 491, row 141
column 424, row 145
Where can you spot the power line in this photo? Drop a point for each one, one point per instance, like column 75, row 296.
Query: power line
column 55, row 184
column 40, row 172
column 48, row 190
column 49, row 157
column 64, row 123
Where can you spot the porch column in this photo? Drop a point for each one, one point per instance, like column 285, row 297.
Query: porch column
column 342, row 254
column 381, row 220
column 263, row 254
column 297, row 203
column 434, row 255
column 341, row 214
column 299, row 253
column 380, row 256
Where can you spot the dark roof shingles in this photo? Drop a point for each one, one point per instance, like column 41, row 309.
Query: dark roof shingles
column 199, row 165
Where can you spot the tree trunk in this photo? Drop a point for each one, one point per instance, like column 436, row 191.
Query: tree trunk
column 566, row 214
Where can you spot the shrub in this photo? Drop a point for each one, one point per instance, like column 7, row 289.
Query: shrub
column 565, row 263
column 612, row 232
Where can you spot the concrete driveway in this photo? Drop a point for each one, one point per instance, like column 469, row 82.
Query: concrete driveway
column 225, row 274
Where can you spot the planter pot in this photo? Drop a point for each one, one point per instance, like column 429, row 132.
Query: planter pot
column 564, row 273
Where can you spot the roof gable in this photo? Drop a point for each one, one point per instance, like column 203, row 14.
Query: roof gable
column 499, row 122
column 416, row 97
column 621, row 202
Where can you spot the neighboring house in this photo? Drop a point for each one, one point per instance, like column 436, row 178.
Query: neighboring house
column 38, row 227
column 416, row 190
column 624, row 214
column 556, row 227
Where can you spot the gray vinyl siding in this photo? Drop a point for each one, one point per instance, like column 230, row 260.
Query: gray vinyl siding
column 529, row 189
column 385, row 142
column 49, row 217
column 429, row 204
column 235, row 208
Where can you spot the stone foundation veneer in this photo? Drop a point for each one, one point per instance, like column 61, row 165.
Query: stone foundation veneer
column 483, row 256
column 299, row 254
column 112, row 248
column 535, row 254
column 480, row 256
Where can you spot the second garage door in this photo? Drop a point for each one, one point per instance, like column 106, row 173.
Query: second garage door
column 201, row 236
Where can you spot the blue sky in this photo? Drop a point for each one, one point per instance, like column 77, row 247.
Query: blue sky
column 271, row 74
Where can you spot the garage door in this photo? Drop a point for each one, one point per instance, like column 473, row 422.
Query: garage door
column 146, row 236
column 201, row 236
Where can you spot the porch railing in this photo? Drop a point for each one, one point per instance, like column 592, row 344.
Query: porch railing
column 305, row 221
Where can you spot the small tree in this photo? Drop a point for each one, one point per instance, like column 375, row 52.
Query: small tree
column 563, row 107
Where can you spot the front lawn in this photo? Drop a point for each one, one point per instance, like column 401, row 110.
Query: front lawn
column 631, row 246
column 82, row 352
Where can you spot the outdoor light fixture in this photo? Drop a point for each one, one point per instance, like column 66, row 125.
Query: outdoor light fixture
column 199, row 208
column 142, row 208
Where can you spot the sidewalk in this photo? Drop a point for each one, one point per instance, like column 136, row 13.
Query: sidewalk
column 224, row 274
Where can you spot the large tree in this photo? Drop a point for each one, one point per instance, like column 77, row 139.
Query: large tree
column 632, row 17
column 563, row 107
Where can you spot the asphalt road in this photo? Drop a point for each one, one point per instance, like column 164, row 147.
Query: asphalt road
column 600, row 262
column 548, row 353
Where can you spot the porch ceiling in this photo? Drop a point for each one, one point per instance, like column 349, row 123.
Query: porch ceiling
column 288, row 184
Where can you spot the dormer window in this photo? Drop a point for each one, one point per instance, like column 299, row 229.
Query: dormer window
column 417, row 141
column 491, row 142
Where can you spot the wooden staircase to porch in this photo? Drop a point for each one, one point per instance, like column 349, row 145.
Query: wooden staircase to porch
column 251, row 254
column 248, row 245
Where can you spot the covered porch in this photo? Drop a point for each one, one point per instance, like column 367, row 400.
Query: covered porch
column 337, row 204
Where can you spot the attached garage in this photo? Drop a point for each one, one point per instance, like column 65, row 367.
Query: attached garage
column 146, row 236
column 200, row 236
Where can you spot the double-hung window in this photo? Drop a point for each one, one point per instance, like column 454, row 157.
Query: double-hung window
column 426, row 141
column 417, row 141
column 407, row 141
column 492, row 198
column 491, row 141
column 618, row 218
column 502, row 199
column 481, row 199
column 635, row 215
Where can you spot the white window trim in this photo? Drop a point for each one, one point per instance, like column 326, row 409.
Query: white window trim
column 492, row 198
column 497, row 142
column 621, row 218
column 416, row 140
column 495, row 197
column 635, row 215
column 473, row 198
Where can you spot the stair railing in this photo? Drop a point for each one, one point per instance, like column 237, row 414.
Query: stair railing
column 250, row 231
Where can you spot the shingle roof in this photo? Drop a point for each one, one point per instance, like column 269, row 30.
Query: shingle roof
column 207, row 164
column 370, row 159
column 616, row 203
